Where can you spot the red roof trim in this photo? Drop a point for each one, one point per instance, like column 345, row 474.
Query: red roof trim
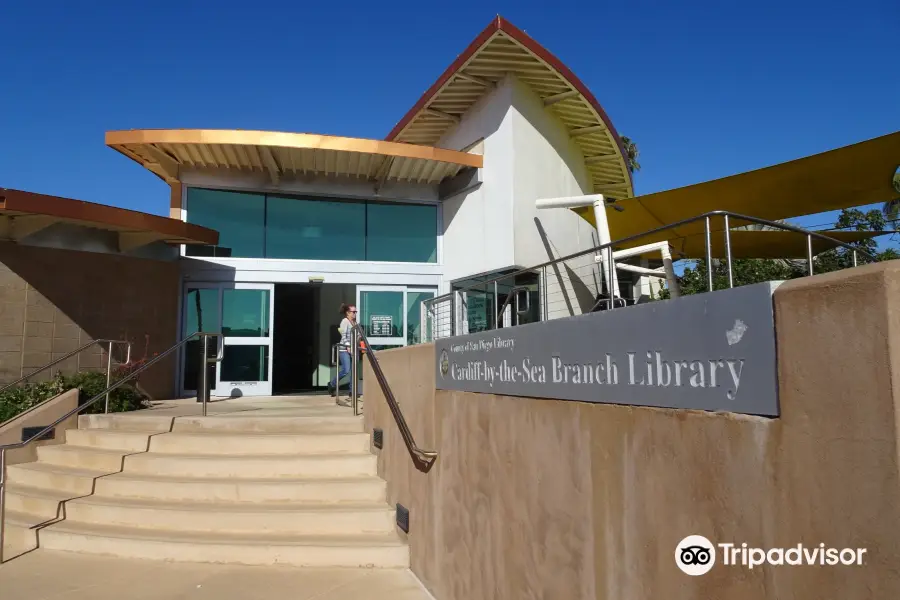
column 501, row 24
column 100, row 215
column 471, row 49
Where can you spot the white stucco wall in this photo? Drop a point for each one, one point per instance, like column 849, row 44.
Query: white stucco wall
column 528, row 154
column 478, row 233
column 548, row 164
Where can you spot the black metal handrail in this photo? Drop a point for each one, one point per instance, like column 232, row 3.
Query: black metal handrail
column 423, row 459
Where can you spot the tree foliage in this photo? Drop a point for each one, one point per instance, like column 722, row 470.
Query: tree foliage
column 631, row 154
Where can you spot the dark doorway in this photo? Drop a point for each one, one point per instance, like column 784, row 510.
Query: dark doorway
column 295, row 346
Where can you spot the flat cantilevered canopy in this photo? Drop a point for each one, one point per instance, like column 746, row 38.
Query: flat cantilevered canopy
column 166, row 151
column 851, row 176
column 25, row 213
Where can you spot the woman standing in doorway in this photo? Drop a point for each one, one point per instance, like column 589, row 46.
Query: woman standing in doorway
column 345, row 328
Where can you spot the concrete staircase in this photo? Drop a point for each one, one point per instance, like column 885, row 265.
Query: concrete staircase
column 296, row 490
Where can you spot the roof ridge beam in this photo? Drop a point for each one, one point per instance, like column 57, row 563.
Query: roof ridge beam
column 271, row 163
column 600, row 158
column 439, row 113
column 586, row 130
column 475, row 79
column 168, row 165
column 551, row 100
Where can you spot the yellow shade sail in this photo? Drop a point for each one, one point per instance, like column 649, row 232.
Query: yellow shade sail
column 851, row 176
column 761, row 244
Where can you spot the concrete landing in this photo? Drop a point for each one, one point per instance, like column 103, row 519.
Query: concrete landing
column 47, row 575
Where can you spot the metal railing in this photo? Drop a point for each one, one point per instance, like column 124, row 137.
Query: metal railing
column 67, row 356
column 81, row 407
column 578, row 279
column 423, row 459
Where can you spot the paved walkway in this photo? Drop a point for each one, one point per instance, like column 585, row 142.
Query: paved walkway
column 46, row 575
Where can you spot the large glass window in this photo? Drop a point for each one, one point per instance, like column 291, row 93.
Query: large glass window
column 245, row 313
column 261, row 226
column 401, row 232
column 315, row 229
column 239, row 218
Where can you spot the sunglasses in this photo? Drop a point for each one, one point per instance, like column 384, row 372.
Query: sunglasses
column 353, row 311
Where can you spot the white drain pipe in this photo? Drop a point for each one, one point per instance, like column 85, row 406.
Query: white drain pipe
column 599, row 204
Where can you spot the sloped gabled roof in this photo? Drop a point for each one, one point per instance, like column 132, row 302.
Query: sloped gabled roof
column 503, row 48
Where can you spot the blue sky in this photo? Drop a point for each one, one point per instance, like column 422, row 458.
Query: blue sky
column 706, row 89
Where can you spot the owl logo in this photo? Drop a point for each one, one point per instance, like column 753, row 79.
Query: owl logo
column 445, row 363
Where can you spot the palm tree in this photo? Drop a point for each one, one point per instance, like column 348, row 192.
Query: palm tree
column 631, row 154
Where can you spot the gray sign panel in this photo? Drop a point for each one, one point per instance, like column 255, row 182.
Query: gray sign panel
column 708, row 352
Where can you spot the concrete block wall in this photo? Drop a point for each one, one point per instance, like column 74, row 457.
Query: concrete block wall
column 53, row 301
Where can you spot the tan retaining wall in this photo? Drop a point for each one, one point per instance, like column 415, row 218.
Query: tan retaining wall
column 554, row 499
column 53, row 301
column 39, row 416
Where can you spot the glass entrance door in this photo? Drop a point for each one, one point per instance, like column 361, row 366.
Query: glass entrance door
column 391, row 315
column 242, row 313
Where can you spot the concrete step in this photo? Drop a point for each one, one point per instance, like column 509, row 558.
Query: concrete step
column 43, row 503
column 82, row 457
column 325, row 520
column 62, row 479
column 250, row 467
column 373, row 550
column 251, row 444
column 110, row 439
column 130, row 422
column 21, row 535
column 243, row 490
column 284, row 424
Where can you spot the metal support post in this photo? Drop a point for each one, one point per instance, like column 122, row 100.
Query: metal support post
column 728, row 252
column 203, row 390
column 336, row 360
column 2, row 501
column 709, row 269
column 545, row 310
column 809, row 255
column 452, row 313
column 612, row 288
column 496, row 307
column 108, row 376
column 854, row 258
column 354, row 371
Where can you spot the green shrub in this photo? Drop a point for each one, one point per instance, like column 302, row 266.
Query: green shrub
column 123, row 399
column 17, row 400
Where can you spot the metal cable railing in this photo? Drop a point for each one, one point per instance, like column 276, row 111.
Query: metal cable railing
column 204, row 336
column 589, row 278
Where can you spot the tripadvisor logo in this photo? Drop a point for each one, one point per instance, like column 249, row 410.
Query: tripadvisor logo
column 696, row 555
column 445, row 363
